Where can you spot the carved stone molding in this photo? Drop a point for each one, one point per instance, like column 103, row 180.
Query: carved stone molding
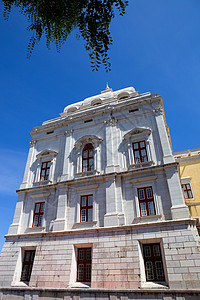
column 158, row 111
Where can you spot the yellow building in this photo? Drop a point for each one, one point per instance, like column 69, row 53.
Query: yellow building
column 189, row 161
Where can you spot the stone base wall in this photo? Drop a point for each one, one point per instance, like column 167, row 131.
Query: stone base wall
column 117, row 261
column 78, row 294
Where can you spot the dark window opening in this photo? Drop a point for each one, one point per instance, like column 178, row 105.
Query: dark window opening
column 27, row 265
column 146, row 201
column 153, row 262
column 140, row 152
column 86, row 208
column 87, row 121
column 45, row 170
column 84, row 264
column 88, row 158
column 187, row 191
column 38, row 214
column 133, row 110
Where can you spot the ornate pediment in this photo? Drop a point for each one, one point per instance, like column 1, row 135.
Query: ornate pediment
column 46, row 153
column 88, row 139
column 136, row 132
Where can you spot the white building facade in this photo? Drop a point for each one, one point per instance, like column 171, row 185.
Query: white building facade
column 100, row 205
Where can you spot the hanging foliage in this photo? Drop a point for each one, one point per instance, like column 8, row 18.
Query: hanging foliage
column 55, row 19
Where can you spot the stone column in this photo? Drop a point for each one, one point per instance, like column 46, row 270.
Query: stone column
column 164, row 139
column 179, row 209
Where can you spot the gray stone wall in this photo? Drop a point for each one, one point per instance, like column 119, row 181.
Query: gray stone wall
column 78, row 294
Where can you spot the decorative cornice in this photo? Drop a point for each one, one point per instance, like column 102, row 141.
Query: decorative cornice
column 137, row 132
column 87, row 138
column 46, row 153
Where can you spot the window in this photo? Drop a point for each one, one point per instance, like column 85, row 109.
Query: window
column 86, row 208
column 88, row 158
column 27, row 265
column 140, row 152
column 45, row 169
column 187, row 191
column 153, row 262
column 38, row 214
column 84, row 264
column 146, row 201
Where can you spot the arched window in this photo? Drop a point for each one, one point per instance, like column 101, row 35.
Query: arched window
column 88, row 158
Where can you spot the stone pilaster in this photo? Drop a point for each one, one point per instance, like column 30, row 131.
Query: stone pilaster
column 114, row 207
column 28, row 175
column 164, row 139
column 15, row 226
column 179, row 209
column 60, row 222
column 67, row 164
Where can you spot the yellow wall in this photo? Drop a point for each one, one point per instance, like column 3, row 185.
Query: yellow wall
column 192, row 169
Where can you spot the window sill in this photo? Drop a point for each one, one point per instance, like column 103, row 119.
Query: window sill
column 45, row 182
column 154, row 285
column 20, row 284
column 147, row 219
column 142, row 165
column 80, row 285
column 35, row 229
column 88, row 173
column 85, row 224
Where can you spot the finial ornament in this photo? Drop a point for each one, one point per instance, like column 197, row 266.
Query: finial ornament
column 108, row 89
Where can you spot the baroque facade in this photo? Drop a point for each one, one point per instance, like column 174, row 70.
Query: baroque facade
column 101, row 205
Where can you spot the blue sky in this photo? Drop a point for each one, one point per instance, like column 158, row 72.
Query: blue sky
column 156, row 48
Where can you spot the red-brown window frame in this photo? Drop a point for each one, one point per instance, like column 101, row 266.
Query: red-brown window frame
column 28, row 264
column 187, row 190
column 84, row 262
column 146, row 200
column 87, row 149
column 40, row 213
column 153, row 258
column 139, row 150
column 87, row 207
column 46, row 176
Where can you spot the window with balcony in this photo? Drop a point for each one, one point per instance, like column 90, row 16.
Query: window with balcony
column 38, row 214
column 27, row 265
column 88, row 158
column 153, row 262
column 86, row 208
column 146, row 201
column 84, row 264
